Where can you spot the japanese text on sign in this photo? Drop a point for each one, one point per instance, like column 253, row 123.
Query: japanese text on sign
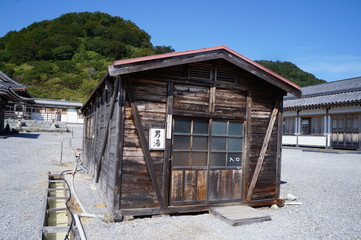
column 156, row 139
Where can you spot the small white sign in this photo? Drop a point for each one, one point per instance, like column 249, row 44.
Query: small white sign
column 156, row 139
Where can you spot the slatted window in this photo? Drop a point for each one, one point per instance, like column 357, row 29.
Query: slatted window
column 170, row 71
column 196, row 141
column 200, row 71
column 226, row 74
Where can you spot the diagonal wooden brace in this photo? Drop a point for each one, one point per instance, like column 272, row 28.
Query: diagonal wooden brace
column 143, row 142
column 263, row 149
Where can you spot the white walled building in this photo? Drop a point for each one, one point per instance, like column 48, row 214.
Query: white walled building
column 59, row 110
column 17, row 103
column 328, row 115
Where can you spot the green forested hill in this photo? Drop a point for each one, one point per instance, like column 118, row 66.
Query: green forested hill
column 291, row 72
column 64, row 58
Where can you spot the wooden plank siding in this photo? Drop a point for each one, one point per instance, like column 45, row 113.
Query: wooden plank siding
column 262, row 107
column 100, row 113
column 196, row 91
column 137, row 189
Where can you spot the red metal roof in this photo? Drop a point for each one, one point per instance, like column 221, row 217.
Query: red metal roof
column 220, row 47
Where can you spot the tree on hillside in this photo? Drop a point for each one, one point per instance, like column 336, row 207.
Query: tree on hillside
column 291, row 72
column 71, row 52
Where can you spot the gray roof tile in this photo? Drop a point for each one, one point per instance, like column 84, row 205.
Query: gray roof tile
column 338, row 92
column 6, row 82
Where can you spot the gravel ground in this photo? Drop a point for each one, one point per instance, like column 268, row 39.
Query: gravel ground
column 328, row 185
column 25, row 160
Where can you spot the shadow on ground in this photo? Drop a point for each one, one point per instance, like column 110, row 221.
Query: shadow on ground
column 21, row 135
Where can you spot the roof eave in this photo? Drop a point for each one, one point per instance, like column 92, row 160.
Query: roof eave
column 8, row 94
column 94, row 90
column 220, row 52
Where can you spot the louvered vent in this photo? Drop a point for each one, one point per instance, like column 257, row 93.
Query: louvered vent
column 226, row 74
column 200, row 71
column 173, row 71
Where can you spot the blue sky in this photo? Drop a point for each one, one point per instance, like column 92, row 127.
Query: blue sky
column 322, row 37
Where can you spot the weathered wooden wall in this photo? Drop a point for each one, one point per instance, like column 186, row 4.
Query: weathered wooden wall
column 99, row 113
column 196, row 90
column 261, row 109
column 137, row 190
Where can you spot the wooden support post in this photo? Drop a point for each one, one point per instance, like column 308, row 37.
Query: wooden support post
column 246, row 147
column 263, row 149
column 279, row 150
column 167, row 152
column 106, row 133
column 142, row 139
column 119, row 139
column 212, row 99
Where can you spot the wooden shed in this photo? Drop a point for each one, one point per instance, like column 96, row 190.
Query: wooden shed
column 184, row 131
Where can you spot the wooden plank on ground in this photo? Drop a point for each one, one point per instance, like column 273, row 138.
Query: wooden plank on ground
column 239, row 215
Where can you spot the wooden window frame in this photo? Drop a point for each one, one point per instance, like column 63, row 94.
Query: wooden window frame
column 315, row 126
column 89, row 127
column 209, row 151
column 190, row 150
column 227, row 151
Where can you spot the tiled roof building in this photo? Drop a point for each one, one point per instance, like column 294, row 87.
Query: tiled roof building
column 327, row 115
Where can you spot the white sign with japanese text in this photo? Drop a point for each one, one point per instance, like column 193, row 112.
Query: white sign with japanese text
column 156, row 139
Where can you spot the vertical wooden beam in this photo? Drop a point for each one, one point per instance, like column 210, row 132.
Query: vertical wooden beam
column 246, row 149
column 279, row 150
column 212, row 90
column 168, row 145
column 142, row 139
column 212, row 99
column 263, row 149
column 96, row 130
column 119, row 147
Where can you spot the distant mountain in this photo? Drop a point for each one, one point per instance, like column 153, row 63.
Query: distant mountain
column 291, row 72
column 65, row 57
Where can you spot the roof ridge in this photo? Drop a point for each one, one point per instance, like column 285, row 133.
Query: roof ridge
column 337, row 81
column 332, row 92
column 202, row 50
column 7, row 79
